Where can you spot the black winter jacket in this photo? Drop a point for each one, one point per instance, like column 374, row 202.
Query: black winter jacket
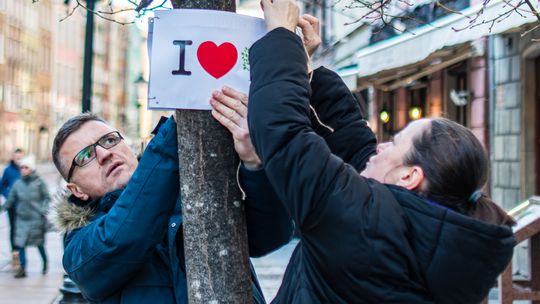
column 361, row 241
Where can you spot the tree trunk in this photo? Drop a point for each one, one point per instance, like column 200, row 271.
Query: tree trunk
column 215, row 238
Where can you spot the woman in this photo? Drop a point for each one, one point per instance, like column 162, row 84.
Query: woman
column 412, row 227
column 31, row 197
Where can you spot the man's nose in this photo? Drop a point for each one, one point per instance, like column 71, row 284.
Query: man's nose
column 102, row 154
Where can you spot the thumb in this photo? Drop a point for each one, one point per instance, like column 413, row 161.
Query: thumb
column 265, row 4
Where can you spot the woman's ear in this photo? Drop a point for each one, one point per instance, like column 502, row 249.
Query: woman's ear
column 77, row 191
column 411, row 178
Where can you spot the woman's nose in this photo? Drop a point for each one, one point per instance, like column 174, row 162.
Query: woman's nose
column 382, row 146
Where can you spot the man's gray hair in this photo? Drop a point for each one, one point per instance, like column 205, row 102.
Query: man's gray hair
column 70, row 126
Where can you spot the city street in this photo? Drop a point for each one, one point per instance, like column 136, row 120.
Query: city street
column 456, row 82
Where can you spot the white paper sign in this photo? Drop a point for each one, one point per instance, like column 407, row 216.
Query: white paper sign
column 194, row 52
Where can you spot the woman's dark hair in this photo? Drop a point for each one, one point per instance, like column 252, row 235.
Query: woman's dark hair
column 455, row 166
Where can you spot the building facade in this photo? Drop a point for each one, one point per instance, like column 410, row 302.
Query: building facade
column 25, row 77
column 41, row 63
column 485, row 78
column 515, row 131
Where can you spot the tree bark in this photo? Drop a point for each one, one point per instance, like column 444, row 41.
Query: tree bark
column 215, row 238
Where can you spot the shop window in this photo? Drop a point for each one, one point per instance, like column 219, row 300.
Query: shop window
column 458, row 99
column 417, row 96
column 387, row 116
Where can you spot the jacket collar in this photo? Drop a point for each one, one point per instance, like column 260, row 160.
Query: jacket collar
column 71, row 213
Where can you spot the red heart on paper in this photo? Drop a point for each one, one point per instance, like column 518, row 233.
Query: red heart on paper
column 217, row 60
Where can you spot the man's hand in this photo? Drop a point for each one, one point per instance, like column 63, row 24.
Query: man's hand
column 280, row 13
column 310, row 31
column 230, row 110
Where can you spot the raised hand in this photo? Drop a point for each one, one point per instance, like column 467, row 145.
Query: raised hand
column 310, row 31
column 230, row 110
column 280, row 13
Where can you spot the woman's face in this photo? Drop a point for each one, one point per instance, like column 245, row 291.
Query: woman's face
column 384, row 165
column 25, row 170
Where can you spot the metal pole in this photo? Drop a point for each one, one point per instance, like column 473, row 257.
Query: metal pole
column 88, row 56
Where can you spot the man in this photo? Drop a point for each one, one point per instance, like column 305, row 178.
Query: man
column 11, row 175
column 123, row 218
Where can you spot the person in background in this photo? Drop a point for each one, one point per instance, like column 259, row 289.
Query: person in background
column 9, row 177
column 31, row 198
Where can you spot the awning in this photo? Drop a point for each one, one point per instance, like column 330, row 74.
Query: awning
column 348, row 74
column 392, row 79
column 409, row 48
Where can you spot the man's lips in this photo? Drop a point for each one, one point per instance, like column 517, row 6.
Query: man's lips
column 112, row 167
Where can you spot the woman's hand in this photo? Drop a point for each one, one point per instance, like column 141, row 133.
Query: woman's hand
column 310, row 31
column 280, row 13
column 230, row 110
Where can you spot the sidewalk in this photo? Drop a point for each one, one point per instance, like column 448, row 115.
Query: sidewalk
column 271, row 268
column 35, row 288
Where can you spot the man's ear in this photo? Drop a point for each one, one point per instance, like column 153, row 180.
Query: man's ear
column 77, row 191
column 411, row 178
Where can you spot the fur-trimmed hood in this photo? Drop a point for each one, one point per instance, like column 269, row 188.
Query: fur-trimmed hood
column 68, row 216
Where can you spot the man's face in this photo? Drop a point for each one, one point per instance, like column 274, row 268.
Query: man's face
column 384, row 165
column 17, row 156
column 110, row 170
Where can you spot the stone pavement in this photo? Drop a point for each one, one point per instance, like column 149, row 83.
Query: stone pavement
column 35, row 288
column 270, row 269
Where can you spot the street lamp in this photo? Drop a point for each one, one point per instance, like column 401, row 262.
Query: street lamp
column 384, row 116
column 415, row 112
column 88, row 57
column 70, row 292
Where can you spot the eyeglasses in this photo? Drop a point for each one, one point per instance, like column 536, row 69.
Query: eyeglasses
column 88, row 154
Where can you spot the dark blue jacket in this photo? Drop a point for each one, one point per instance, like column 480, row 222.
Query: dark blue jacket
column 360, row 241
column 127, row 253
column 10, row 176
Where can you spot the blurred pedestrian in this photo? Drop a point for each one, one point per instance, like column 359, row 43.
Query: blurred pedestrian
column 9, row 177
column 31, row 196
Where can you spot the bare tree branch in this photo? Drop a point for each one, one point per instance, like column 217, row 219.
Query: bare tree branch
column 70, row 13
column 530, row 30
column 533, row 9
column 110, row 10
column 143, row 4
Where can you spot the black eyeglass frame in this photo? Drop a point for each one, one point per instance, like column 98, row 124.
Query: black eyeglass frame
column 74, row 163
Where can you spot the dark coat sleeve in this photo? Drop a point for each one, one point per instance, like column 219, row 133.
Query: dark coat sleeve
column 103, row 256
column 308, row 178
column 9, row 177
column 12, row 198
column 351, row 139
column 269, row 225
column 4, row 185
